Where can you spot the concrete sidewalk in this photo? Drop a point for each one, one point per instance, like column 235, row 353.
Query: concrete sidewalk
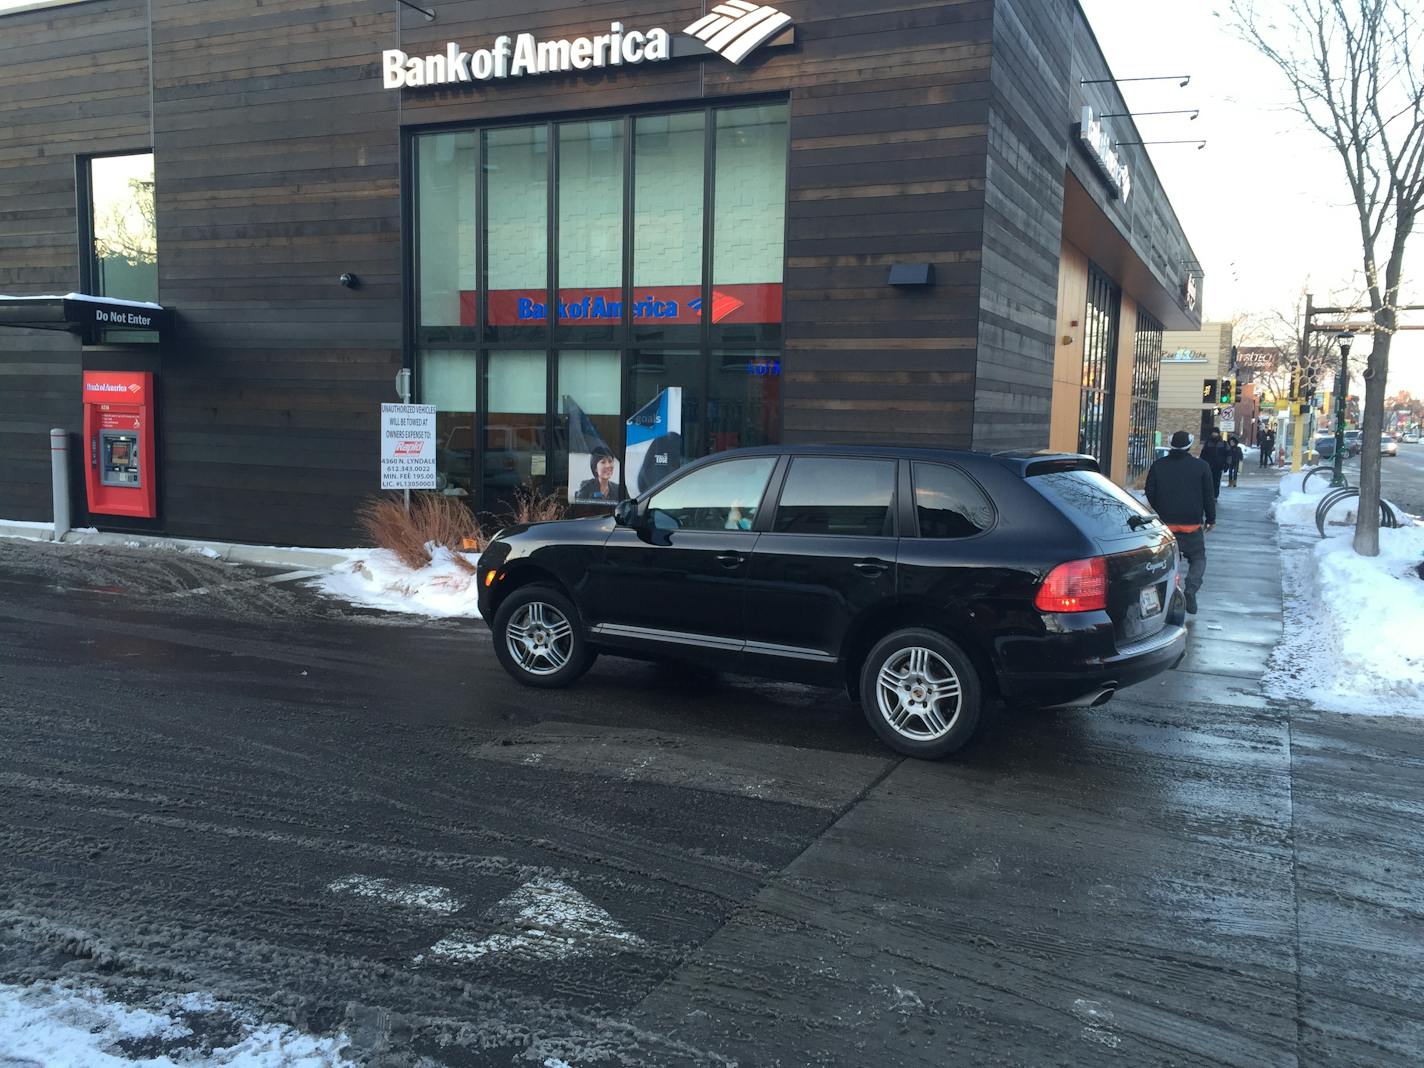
column 1170, row 879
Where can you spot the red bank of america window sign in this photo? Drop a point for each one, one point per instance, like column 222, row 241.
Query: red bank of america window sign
column 758, row 302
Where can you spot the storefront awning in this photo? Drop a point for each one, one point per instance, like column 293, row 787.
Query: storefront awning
column 80, row 313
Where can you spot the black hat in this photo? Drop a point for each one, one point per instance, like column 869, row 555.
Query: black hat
column 1181, row 440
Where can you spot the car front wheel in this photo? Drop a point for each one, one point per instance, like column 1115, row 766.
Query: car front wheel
column 538, row 639
column 921, row 694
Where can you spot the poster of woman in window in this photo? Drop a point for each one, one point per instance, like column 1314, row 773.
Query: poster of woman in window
column 594, row 473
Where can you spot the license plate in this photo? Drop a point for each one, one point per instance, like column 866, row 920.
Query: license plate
column 1150, row 601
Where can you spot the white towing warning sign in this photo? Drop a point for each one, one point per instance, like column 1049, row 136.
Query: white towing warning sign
column 408, row 446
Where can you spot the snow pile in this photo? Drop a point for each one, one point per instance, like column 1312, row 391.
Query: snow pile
column 1351, row 641
column 376, row 578
column 61, row 1025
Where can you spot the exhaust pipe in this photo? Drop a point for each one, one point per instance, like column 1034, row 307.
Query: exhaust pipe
column 1092, row 700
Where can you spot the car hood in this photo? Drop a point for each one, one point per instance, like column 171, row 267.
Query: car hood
column 559, row 530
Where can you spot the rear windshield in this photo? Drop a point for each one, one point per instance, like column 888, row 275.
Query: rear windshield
column 1101, row 508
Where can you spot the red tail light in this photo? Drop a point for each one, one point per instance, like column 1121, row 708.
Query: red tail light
column 1077, row 586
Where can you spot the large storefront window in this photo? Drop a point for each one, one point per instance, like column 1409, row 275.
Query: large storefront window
column 1146, row 375
column 577, row 269
column 446, row 231
column 516, row 225
column 450, row 381
column 1099, row 367
column 749, row 225
column 590, row 237
column 516, row 447
column 669, row 161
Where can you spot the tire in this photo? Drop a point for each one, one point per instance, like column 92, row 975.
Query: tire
column 543, row 625
column 928, row 728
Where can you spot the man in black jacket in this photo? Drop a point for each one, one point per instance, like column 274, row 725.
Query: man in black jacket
column 1216, row 455
column 1181, row 490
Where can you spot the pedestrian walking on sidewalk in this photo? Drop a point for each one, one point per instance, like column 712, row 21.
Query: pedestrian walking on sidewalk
column 1268, row 447
column 1214, row 452
column 1234, row 457
column 1181, row 490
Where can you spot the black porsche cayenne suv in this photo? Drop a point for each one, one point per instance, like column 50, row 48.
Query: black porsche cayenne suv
column 930, row 583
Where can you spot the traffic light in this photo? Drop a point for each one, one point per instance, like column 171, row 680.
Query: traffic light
column 1228, row 394
column 1209, row 391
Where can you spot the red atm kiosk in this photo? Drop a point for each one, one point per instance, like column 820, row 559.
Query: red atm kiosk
column 118, row 425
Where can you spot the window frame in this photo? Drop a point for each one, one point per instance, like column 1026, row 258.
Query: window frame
column 709, row 346
column 914, row 509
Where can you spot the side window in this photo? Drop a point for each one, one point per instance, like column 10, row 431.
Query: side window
column 724, row 496
column 834, row 495
column 948, row 504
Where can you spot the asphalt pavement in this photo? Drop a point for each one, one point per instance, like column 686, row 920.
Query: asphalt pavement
column 212, row 779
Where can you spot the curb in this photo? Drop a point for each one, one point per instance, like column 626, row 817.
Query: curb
column 228, row 551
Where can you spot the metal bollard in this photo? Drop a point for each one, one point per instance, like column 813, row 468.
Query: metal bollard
column 59, row 476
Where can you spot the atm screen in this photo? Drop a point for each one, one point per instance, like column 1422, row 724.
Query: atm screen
column 119, row 454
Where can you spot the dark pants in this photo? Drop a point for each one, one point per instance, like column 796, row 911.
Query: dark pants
column 1232, row 472
column 1216, row 479
column 1193, row 547
column 1265, row 456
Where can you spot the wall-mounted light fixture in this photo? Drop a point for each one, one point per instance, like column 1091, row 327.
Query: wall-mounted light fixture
column 911, row 274
column 429, row 15
column 1182, row 84
column 350, row 281
column 1193, row 112
column 1200, row 144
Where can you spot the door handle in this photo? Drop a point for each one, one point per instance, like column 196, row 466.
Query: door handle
column 730, row 560
column 871, row 568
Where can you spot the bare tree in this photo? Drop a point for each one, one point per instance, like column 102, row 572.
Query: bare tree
column 1355, row 69
column 1280, row 331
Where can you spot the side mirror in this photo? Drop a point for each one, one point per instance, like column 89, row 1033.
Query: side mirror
column 626, row 514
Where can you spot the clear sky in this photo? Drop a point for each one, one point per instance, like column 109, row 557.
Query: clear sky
column 1265, row 204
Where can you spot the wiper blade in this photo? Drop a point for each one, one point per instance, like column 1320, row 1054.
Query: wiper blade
column 1137, row 522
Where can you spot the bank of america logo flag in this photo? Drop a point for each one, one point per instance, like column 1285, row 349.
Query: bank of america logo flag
column 737, row 28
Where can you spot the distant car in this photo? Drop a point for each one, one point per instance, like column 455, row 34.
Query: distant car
column 1411, row 437
column 1325, row 448
column 1353, row 439
column 1388, row 446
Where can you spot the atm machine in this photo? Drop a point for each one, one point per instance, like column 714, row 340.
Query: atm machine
column 118, row 435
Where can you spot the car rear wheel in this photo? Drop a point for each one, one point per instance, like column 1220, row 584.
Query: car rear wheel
column 538, row 640
column 921, row 694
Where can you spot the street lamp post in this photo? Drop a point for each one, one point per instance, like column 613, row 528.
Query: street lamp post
column 1342, row 390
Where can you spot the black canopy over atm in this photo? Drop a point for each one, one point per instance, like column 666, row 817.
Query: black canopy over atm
column 82, row 314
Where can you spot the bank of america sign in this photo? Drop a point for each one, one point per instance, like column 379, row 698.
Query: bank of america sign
column 733, row 30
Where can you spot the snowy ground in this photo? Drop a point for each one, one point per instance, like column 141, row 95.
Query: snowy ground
column 65, row 1025
column 375, row 578
column 1351, row 641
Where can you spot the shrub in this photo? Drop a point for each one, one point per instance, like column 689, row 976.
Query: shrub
column 434, row 519
column 531, row 506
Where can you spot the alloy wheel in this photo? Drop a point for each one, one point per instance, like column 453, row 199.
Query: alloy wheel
column 539, row 638
column 919, row 694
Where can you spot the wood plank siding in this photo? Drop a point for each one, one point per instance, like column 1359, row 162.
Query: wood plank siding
column 67, row 87
column 277, row 165
column 921, row 131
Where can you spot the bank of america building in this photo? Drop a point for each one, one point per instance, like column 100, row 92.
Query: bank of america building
column 850, row 222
